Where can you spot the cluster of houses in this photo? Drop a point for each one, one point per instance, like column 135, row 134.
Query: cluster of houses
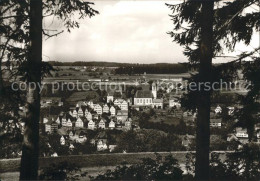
column 112, row 115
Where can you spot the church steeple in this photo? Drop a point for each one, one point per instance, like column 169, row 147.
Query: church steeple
column 154, row 90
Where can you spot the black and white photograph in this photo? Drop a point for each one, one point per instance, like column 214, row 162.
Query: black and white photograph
column 129, row 90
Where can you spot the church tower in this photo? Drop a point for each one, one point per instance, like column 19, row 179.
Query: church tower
column 154, row 90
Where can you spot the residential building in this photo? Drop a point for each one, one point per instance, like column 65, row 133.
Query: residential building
column 124, row 105
column 158, row 103
column 174, row 102
column 112, row 111
column 218, row 110
column 102, row 124
column 80, row 112
column 79, row 123
column 98, row 109
column 62, row 140
column 241, row 133
column 91, row 125
column 75, row 113
column 122, row 116
column 112, row 124
column 215, row 122
column 110, row 97
column 105, row 109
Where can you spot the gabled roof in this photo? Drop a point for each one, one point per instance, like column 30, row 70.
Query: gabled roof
column 143, row 94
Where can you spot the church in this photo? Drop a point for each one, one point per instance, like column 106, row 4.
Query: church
column 145, row 96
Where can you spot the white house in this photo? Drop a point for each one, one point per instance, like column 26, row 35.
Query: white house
column 110, row 97
column 48, row 127
column 215, row 123
column 80, row 112
column 89, row 116
column 241, row 133
column 218, row 110
column 124, row 105
column 62, row 140
column 112, row 111
column 102, row 124
column 101, row 145
column 98, row 109
column 112, row 124
column 174, row 102
column 58, row 121
column 231, row 110
column 79, row 123
column 91, row 125
column 105, row 108
column 75, row 113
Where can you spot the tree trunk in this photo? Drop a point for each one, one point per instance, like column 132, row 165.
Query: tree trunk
column 203, row 116
column 30, row 148
column 2, row 89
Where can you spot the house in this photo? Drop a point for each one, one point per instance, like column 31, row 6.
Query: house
column 111, row 148
column 62, row 140
column 75, row 113
column 81, row 137
column 174, row 102
column 112, row 111
column 80, row 112
column 101, row 145
column 231, row 110
column 48, row 127
column 112, row 124
column 69, row 123
column 122, row 116
column 158, row 103
column 143, row 98
column 54, row 127
column 187, row 140
column 105, row 109
column 98, row 109
column 91, row 125
column 102, row 141
column 215, row 123
column 124, row 105
column 71, row 147
column 102, row 124
column 45, row 120
column 79, row 123
column 241, row 133
column 58, row 121
column 88, row 116
column 128, row 124
column 218, row 110
column 110, row 97
column 64, row 121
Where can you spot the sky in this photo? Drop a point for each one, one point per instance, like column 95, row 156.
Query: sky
column 124, row 31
